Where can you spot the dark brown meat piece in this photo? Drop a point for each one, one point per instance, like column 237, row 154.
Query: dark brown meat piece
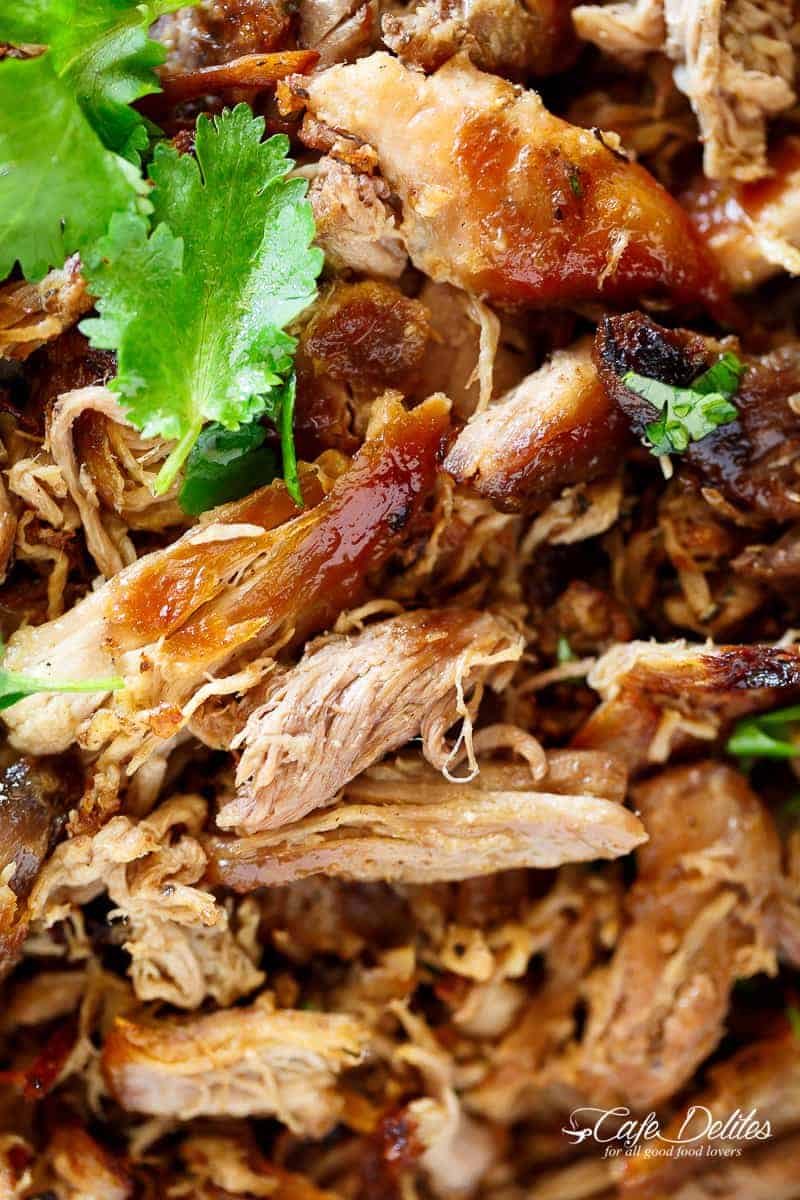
column 35, row 796
column 751, row 460
column 362, row 339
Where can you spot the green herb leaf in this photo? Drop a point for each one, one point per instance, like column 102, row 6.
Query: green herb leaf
column 688, row 414
column 195, row 310
column 793, row 1015
column 226, row 464
column 767, row 736
column 69, row 140
column 564, row 652
column 15, row 686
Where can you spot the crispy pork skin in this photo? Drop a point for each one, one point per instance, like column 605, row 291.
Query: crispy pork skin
column 401, row 821
column 256, row 1061
column 750, row 460
column 699, row 918
column 506, row 200
column 557, row 427
column 353, row 699
column 663, row 697
column 231, row 585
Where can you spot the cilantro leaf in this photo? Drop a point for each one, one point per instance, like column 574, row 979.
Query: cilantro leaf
column 196, row 309
column 15, row 687
column 59, row 185
column 102, row 52
column 688, row 414
column 766, row 736
column 69, row 140
column 226, row 464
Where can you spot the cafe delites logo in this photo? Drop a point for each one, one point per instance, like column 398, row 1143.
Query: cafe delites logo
column 699, row 1134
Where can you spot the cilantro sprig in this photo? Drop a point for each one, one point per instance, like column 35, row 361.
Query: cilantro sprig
column 69, row 140
column 15, row 686
column 689, row 414
column 770, row 735
column 196, row 310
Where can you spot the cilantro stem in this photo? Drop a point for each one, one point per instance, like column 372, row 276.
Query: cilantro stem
column 166, row 476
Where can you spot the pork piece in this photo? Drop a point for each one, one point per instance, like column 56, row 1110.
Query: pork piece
column 661, row 698
column 515, row 38
column 180, row 613
column 76, row 1167
column 356, row 225
column 181, row 943
column 255, row 1061
column 216, row 31
column 699, row 918
column 734, row 60
column 34, row 313
column 250, row 72
column 764, row 1078
column 219, row 1165
column 460, row 352
column 751, row 460
column 752, row 228
column 352, row 699
column 362, row 339
column 507, row 201
column 35, row 796
column 400, row 821
column 777, row 564
column 339, row 30
column 555, row 428
column 569, row 929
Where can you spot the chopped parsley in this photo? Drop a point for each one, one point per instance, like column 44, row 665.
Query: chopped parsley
column 767, row 736
column 15, row 686
column 69, row 140
column 196, row 309
column 689, row 414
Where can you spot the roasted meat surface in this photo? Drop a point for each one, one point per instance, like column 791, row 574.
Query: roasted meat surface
column 400, row 698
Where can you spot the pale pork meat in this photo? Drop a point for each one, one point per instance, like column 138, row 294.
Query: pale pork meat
column 34, row 313
column 661, row 698
column 353, row 699
column 256, row 1061
column 181, row 942
column 339, row 30
column 356, row 227
column 556, row 427
column 735, row 61
column 402, row 821
column 506, row 200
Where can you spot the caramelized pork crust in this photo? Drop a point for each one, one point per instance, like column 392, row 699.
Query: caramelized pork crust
column 350, row 700
column 508, row 201
column 402, row 821
column 750, row 460
column 557, row 427
column 662, row 698
column 233, row 583
column 238, row 1062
